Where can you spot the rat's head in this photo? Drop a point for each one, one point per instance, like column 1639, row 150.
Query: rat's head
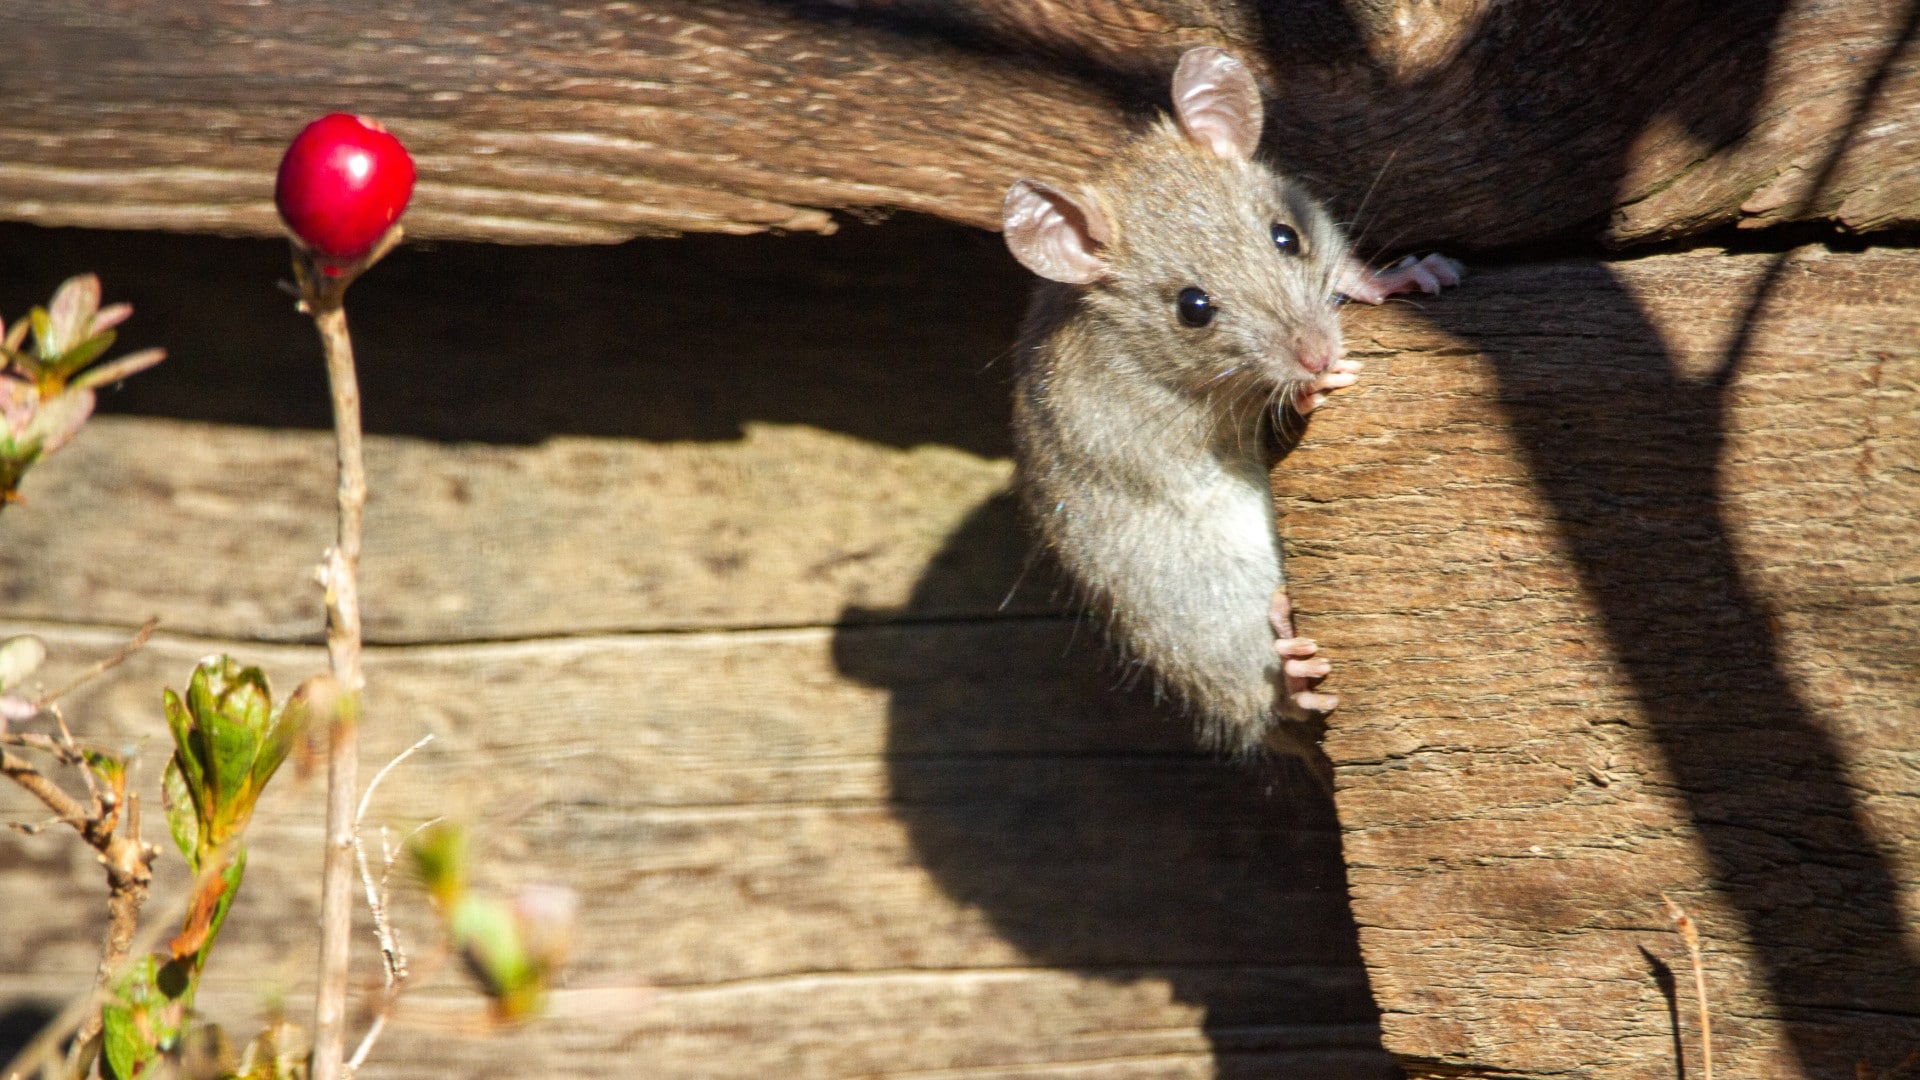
column 1221, row 271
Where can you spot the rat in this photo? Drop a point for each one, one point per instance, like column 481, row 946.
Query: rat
column 1190, row 295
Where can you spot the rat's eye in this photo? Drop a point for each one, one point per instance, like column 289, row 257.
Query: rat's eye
column 1196, row 307
column 1286, row 239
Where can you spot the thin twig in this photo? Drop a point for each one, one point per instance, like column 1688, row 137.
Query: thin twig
column 1690, row 934
column 127, row 859
column 372, row 1036
column 367, row 798
column 46, row 744
column 137, row 643
column 56, row 799
column 393, row 956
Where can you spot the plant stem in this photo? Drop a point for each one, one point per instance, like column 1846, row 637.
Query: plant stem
column 128, row 861
column 340, row 575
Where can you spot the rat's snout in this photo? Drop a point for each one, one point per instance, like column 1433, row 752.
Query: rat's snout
column 1316, row 350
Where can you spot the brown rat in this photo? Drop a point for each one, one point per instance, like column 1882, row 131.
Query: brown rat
column 1191, row 293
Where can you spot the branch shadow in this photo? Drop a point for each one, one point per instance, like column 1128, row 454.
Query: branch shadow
column 1627, row 451
column 1670, row 993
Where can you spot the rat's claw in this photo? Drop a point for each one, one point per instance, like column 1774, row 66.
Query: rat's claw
column 1317, row 668
column 1290, row 649
column 1303, row 668
column 1339, row 375
column 1309, row 701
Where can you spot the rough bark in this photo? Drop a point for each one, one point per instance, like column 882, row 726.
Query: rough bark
column 1471, row 123
column 1617, row 567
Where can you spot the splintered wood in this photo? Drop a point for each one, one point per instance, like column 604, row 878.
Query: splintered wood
column 1619, row 570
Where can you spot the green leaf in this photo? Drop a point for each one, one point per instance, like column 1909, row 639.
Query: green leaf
column 20, row 657
column 180, row 722
column 109, row 767
column 233, row 747
column 440, row 856
column 81, row 354
column 235, row 870
column 200, row 701
column 15, row 460
column 484, row 930
column 316, row 700
column 131, row 1031
column 126, row 1050
column 42, row 333
column 183, row 821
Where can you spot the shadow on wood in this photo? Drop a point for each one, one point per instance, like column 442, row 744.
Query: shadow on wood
column 1626, row 447
column 879, row 332
column 1098, row 840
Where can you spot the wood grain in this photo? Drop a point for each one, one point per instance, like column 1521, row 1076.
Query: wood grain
column 1611, row 615
column 690, row 554
column 717, row 431
column 1617, row 567
column 799, row 840
column 1465, row 124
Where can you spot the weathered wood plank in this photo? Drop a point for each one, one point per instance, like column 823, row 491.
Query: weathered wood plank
column 219, row 533
column 871, row 851
column 1487, row 123
column 726, row 432
column 1612, row 615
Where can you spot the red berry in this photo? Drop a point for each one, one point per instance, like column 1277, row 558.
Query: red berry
column 343, row 184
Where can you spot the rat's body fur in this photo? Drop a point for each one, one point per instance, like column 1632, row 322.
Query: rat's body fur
column 1142, row 450
column 1190, row 292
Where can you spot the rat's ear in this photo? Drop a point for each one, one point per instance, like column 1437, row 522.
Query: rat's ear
column 1217, row 102
column 1055, row 234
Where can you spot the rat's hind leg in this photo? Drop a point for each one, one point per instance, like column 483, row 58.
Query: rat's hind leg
column 1300, row 660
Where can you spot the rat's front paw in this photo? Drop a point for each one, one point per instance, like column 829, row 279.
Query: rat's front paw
column 1304, row 668
column 1340, row 374
column 1301, row 664
column 1428, row 275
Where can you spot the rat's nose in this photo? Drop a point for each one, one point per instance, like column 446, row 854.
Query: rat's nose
column 1317, row 352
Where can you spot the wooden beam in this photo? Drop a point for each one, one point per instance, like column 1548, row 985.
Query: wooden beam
column 1470, row 124
column 864, row 851
column 1617, row 566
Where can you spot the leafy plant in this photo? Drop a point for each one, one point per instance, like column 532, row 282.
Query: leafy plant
column 47, row 391
column 513, row 948
column 229, row 739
